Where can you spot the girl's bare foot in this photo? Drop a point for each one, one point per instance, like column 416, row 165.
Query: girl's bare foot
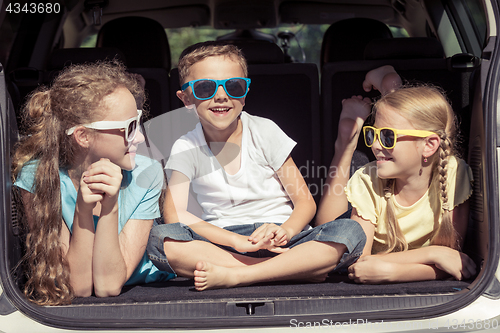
column 384, row 79
column 355, row 110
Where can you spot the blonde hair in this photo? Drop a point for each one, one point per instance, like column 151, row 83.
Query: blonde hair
column 200, row 51
column 427, row 108
column 74, row 98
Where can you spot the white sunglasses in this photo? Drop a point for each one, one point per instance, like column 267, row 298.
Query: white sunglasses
column 130, row 126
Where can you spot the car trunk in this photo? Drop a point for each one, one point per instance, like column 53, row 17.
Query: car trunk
column 176, row 304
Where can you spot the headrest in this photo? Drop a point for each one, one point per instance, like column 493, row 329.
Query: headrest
column 347, row 39
column 259, row 51
column 255, row 51
column 404, row 48
column 65, row 57
column 143, row 41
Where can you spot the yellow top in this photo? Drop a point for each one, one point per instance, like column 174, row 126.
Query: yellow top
column 365, row 191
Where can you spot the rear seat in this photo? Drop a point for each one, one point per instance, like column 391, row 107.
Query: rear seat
column 423, row 60
column 144, row 43
column 61, row 58
column 415, row 59
column 346, row 40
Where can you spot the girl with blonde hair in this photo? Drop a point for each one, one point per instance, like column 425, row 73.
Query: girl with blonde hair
column 412, row 202
column 87, row 217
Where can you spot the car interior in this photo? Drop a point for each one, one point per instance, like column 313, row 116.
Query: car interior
column 303, row 98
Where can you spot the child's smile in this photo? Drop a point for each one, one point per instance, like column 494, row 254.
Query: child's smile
column 402, row 161
column 219, row 114
column 220, row 110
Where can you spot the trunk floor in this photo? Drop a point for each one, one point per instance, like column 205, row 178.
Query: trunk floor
column 182, row 289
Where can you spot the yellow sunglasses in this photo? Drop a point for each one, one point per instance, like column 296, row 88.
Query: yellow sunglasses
column 389, row 136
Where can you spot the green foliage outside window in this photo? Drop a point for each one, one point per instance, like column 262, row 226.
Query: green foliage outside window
column 307, row 37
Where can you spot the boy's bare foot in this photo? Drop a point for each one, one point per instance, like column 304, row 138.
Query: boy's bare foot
column 210, row 276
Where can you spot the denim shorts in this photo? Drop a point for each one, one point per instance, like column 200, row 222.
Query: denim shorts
column 342, row 231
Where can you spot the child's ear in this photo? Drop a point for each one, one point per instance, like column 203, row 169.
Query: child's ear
column 184, row 98
column 82, row 137
column 432, row 143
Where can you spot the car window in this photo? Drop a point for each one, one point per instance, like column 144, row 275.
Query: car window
column 305, row 46
column 478, row 18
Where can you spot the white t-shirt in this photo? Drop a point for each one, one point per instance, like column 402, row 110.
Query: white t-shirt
column 254, row 193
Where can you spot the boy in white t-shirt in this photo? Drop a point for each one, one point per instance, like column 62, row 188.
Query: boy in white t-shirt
column 256, row 205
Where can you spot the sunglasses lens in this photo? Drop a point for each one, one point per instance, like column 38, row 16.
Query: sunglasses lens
column 387, row 138
column 132, row 130
column 204, row 88
column 369, row 136
column 236, row 87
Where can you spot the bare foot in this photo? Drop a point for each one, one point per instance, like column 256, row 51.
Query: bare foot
column 384, row 79
column 210, row 276
column 355, row 110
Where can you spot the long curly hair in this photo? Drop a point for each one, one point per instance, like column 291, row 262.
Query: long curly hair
column 427, row 108
column 74, row 98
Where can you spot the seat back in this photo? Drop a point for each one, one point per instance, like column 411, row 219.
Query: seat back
column 288, row 94
column 61, row 58
column 417, row 60
column 144, row 43
column 346, row 40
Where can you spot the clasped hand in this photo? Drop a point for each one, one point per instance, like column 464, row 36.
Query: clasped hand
column 101, row 182
column 268, row 236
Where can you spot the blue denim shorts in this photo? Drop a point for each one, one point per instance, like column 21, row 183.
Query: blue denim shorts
column 342, row 231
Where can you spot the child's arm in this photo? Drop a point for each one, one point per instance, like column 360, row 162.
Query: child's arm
column 355, row 110
column 175, row 210
column 333, row 202
column 115, row 255
column 304, row 208
column 426, row 263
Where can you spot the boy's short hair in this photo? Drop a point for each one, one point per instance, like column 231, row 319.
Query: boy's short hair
column 200, row 51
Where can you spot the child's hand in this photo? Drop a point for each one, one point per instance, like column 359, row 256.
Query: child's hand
column 371, row 270
column 102, row 182
column 242, row 244
column 384, row 79
column 457, row 264
column 87, row 198
column 272, row 234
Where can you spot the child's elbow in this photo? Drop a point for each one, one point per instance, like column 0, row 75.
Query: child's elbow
column 312, row 206
column 108, row 292
column 108, row 288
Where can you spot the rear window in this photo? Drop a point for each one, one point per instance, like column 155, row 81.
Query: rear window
column 305, row 46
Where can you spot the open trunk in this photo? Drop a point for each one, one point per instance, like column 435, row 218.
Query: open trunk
column 177, row 305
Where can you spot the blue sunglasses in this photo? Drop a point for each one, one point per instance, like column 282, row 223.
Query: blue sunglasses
column 203, row 89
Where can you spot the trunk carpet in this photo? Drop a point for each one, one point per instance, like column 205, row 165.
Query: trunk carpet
column 181, row 289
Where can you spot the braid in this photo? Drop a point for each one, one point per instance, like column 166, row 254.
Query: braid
column 395, row 238
column 444, row 153
column 445, row 235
